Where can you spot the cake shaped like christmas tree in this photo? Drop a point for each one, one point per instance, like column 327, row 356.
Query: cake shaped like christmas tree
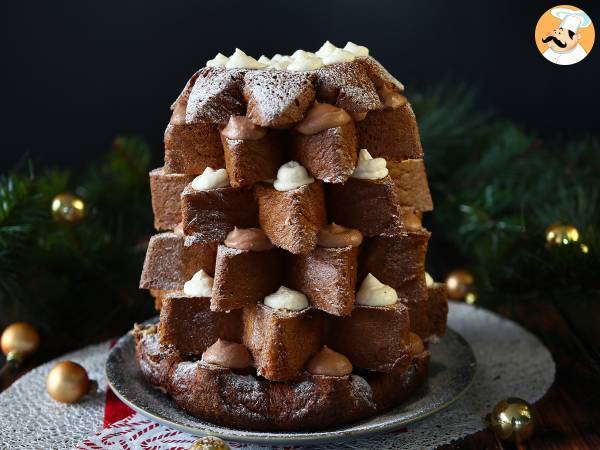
column 290, row 270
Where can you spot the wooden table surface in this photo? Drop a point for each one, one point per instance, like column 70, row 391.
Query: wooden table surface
column 568, row 415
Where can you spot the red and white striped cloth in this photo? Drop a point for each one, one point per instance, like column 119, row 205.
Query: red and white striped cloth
column 125, row 429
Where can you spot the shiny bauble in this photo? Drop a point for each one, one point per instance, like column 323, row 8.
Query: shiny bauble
column 68, row 382
column 18, row 341
column 512, row 419
column 68, row 208
column 459, row 283
column 210, row 443
column 561, row 234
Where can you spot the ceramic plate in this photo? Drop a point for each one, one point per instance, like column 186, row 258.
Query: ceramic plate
column 451, row 371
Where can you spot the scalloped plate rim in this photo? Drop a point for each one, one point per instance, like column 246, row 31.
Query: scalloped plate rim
column 356, row 430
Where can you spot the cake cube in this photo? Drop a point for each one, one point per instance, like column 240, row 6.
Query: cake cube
column 410, row 180
column 292, row 219
column 189, row 326
column 373, row 337
column 190, row 148
column 281, row 342
column 347, row 86
column 170, row 263
column 213, row 213
column 391, row 134
column 166, row 189
column 431, row 315
column 244, row 277
column 395, row 260
column 327, row 276
column 155, row 361
column 278, row 99
column 215, row 96
column 249, row 161
column 370, row 206
column 329, row 155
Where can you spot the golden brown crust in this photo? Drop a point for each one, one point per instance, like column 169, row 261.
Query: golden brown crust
column 189, row 326
column 170, row 263
column 391, row 134
column 393, row 260
column 370, row 206
column 292, row 219
column 327, row 276
column 214, row 213
column 329, row 155
column 373, row 337
column 313, row 402
column 244, row 277
column 166, row 191
column 410, row 180
column 191, row 148
column 282, row 341
column 250, row 161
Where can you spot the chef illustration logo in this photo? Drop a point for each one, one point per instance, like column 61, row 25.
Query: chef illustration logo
column 564, row 35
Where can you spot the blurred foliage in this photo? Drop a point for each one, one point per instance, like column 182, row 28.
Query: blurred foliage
column 77, row 282
column 497, row 188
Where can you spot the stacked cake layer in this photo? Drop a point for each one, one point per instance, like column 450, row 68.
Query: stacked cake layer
column 290, row 267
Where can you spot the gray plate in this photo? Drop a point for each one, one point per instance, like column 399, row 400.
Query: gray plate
column 450, row 374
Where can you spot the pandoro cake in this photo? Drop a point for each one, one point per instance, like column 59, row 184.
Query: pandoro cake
column 289, row 270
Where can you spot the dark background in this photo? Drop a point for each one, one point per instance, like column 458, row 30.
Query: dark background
column 78, row 73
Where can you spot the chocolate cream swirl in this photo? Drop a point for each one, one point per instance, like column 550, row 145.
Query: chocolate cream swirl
column 227, row 354
column 390, row 97
column 248, row 239
column 338, row 236
column 329, row 363
column 321, row 117
column 242, row 128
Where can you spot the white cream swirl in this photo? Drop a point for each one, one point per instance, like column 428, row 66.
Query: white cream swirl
column 373, row 292
column 290, row 176
column 356, row 50
column 211, row 179
column 286, row 299
column 239, row 60
column 429, row 280
column 338, row 56
column 200, row 285
column 326, row 49
column 369, row 168
column 302, row 60
column 218, row 61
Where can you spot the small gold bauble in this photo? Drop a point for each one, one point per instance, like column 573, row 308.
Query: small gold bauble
column 471, row 298
column 459, row 283
column 68, row 382
column 68, row 208
column 210, row 443
column 18, row 341
column 512, row 420
column 561, row 234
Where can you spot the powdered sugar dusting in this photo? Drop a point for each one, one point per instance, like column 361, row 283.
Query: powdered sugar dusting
column 216, row 95
column 355, row 90
column 278, row 98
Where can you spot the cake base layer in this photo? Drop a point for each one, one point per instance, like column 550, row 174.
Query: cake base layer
column 240, row 399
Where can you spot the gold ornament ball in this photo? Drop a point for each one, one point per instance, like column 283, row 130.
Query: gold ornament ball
column 68, row 382
column 561, row 234
column 19, row 340
column 68, row 208
column 210, row 443
column 512, row 420
column 459, row 283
